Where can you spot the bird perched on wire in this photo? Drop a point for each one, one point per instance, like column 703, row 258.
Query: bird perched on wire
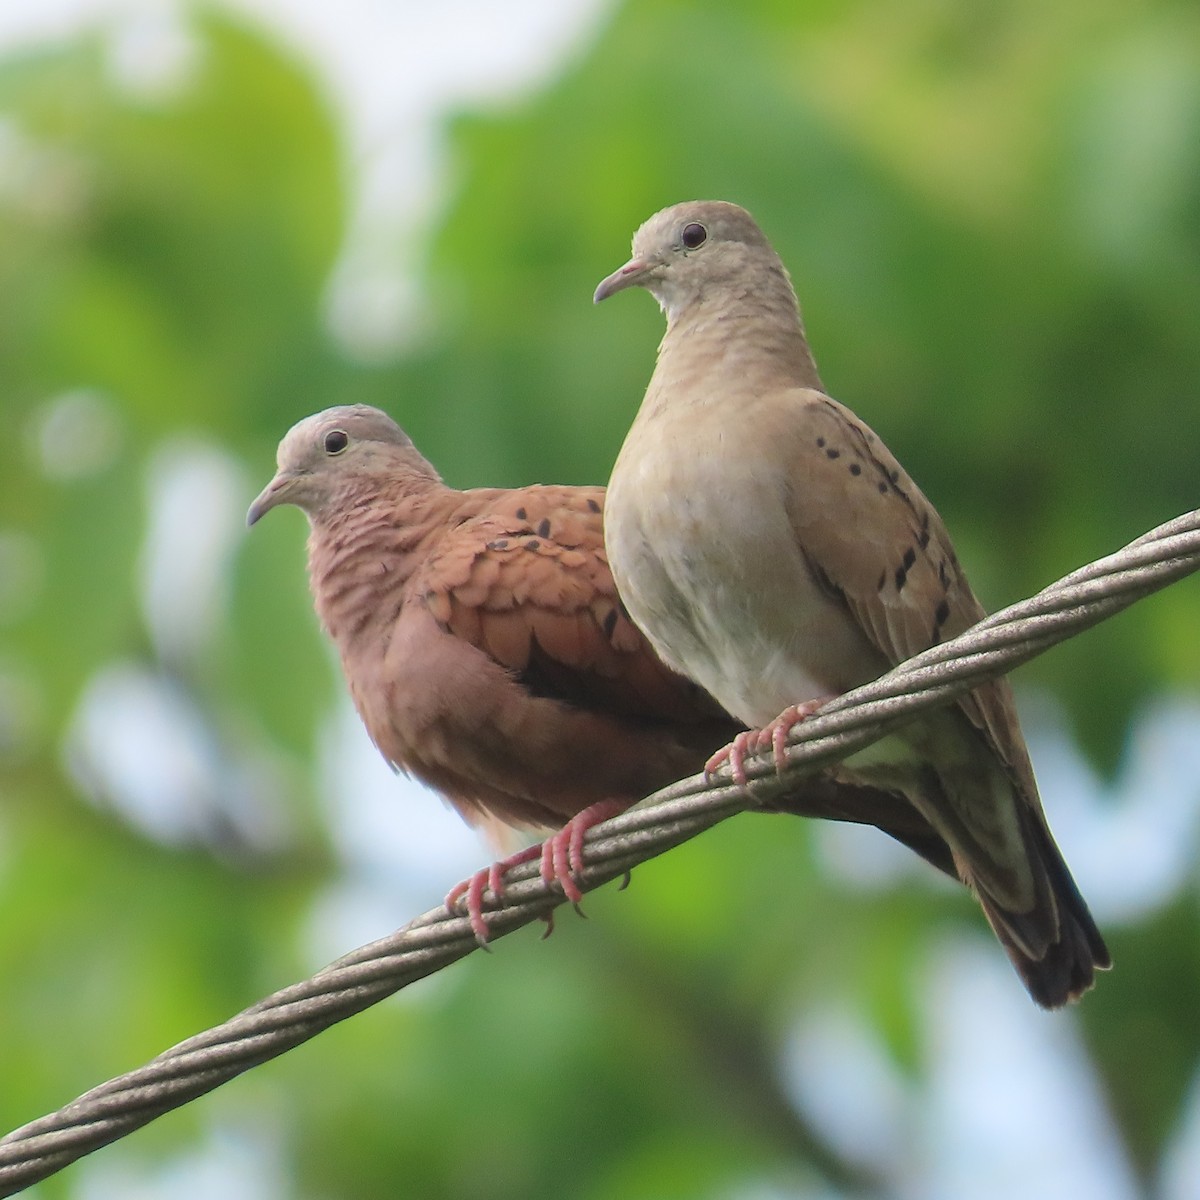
column 774, row 551
column 487, row 653
column 486, row 650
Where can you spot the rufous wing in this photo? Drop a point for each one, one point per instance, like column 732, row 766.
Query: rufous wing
column 527, row 582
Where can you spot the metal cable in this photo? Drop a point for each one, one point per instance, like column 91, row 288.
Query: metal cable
column 436, row 939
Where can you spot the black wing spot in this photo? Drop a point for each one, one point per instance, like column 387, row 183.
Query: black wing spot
column 855, row 469
column 532, row 544
column 522, row 515
column 820, row 443
column 910, row 557
column 944, row 576
column 833, row 454
column 883, row 489
column 901, row 576
column 593, row 505
column 882, row 581
column 942, row 615
column 498, row 544
column 610, row 622
column 544, row 527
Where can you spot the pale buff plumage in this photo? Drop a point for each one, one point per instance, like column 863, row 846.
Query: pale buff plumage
column 774, row 551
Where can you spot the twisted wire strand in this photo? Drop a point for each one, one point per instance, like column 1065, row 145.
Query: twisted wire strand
column 437, row 938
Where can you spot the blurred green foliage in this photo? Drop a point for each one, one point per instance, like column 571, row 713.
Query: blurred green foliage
column 992, row 215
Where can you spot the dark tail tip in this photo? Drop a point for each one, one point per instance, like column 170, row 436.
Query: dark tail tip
column 1068, row 968
column 1069, row 964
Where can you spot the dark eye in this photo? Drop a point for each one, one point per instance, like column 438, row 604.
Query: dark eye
column 336, row 440
column 694, row 235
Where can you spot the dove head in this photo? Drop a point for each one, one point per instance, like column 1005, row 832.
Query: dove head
column 698, row 251
column 327, row 456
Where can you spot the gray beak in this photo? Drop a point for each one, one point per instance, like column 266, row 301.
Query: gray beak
column 630, row 275
column 268, row 498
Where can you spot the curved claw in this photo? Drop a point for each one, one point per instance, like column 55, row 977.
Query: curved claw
column 556, row 866
column 735, row 754
column 772, row 736
column 561, row 857
column 489, row 879
column 562, row 852
column 775, row 734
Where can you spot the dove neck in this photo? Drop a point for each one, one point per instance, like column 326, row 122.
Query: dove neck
column 748, row 340
column 363, row 550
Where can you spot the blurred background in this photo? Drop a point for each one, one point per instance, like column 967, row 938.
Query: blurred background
column 215, row 220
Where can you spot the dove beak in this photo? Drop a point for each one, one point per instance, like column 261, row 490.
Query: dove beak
column 268, row 498
column 630, row 275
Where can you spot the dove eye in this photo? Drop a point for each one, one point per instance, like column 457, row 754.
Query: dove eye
column 694, row 236
column 336, row 440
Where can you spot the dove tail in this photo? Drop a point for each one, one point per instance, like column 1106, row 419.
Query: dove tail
column 1051, row 939
column 1061, row 969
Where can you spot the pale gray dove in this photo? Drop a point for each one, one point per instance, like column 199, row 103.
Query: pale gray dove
column 775, row 552
column 487, row 653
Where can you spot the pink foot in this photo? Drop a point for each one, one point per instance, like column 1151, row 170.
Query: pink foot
column 751, row 741
column 735, row 755
column 489, row 879
column 775, row 734
column 562, row 852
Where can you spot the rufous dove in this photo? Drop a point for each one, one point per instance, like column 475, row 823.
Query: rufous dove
column 774, row 551
column 487, row 653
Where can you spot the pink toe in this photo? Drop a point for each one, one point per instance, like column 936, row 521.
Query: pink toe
column 717, row 761
column 475, row 906
column 562, row 864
